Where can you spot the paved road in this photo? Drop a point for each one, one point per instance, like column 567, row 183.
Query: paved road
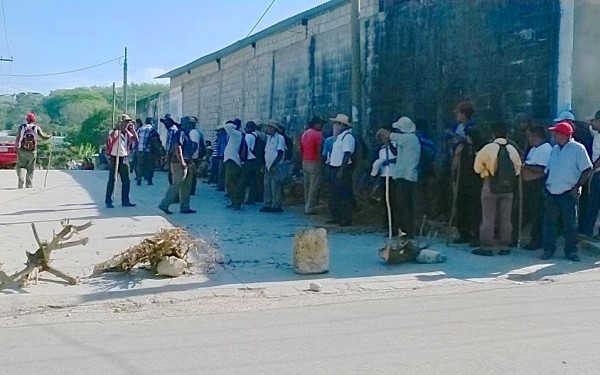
column 542, row 329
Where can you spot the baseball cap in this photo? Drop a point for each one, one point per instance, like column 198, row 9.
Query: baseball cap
column 565, row 115
column 563, row 128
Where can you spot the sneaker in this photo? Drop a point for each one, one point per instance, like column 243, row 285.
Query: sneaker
column 129, row 204
column 165, row 210
column 188, row 211
column 573, row 257
column 482, row 252
column 109, row 205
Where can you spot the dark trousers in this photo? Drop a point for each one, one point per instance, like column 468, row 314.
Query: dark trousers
column 195, row 170
column 533, row 209
column 145, row 166
column 214, row 171
column 561, row 208
column 590, row 214
column 403, row 206
column 468, row 210
column 222, row 172
column 125, row 183
column 342, row 198
column 250, row 171
column 233, row 180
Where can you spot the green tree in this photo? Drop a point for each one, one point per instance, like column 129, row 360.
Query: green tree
column 94, row 129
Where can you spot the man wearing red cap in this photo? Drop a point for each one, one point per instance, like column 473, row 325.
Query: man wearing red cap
column 26, row 145
column 568, row 170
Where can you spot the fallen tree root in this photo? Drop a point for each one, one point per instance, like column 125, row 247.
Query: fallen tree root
column 39, row 261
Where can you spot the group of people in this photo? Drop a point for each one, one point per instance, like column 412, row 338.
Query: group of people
column 546, row 168
column 253, row 164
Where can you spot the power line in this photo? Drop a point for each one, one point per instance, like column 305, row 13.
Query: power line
column 261, row 17
column 5, row 32
column 61, row 73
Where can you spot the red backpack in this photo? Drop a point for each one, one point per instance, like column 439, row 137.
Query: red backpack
column 28, row 140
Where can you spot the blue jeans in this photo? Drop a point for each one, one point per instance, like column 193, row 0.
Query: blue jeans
column 560, row 208
column 593, row 205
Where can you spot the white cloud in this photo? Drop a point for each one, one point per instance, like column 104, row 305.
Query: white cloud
column 148, row 75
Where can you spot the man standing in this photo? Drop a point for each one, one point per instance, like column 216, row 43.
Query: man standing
column 233, row 164
column 198, row 138
column 405, row 173
column 26, row 146
column 568, row 170
column 119, row 141
column 274, row 154
column 312, row 165
column 145, row 157
column 534, row 168
column 498, row 164
column 593, row 204
column 251, row 167
column 342, row 197
column 180, row 149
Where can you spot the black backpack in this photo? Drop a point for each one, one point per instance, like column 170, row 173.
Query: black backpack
column 259, row 147
column 504, row 180
column 243, row 150
column 28, row 141
column 189, row 147
column 154, row 143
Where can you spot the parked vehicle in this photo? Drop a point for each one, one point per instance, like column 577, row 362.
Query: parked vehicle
column 8, row 153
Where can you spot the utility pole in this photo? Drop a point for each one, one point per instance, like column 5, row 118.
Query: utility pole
column 125, row 83
column 114, row 108
column 356, row 76
column 135, row 105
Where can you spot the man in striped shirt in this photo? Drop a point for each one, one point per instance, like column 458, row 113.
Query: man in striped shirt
column 145, row 159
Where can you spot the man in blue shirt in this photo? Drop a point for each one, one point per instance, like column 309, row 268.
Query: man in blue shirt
column 568, row 170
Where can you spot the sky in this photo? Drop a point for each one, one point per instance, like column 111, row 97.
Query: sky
column 51, row 36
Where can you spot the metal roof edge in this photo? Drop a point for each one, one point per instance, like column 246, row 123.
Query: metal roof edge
column 311, row 13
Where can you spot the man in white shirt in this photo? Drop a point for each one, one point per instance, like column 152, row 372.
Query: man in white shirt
column 405, row 173
column 233, row 164
column 119, row 140
column 342, row 200
column 274, row 152
column 593, row 203
column 250, row 168
column 26, row 146
column 535, row 164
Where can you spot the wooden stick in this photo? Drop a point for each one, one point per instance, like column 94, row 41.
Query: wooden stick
column 116, row 163
column 35, row 234
column 49, row 162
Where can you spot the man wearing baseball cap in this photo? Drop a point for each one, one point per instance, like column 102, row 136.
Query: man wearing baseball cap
column 590, row 213
column 568, row 170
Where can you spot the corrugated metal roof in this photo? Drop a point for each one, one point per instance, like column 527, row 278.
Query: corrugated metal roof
column 292, row 21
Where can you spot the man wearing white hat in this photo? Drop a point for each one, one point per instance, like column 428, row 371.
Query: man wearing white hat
column 119, row 140
column 405, row 172
column 274, row 155
column 342, row 199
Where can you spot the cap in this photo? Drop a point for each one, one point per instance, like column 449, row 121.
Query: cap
column 124, row 117
column 30, row 117
column 565, row 115
column 563, row 128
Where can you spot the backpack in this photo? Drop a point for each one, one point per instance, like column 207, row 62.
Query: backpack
column 243, row 150
column 504, row 180
column 154, row 143
column 427, row 156
column 189, row 147
column 201, row 145
column 259, row 147
column 28, row 141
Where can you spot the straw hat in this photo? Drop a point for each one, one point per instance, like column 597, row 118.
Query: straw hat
column 342, row 119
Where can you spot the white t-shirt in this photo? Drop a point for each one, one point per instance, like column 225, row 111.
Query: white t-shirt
column 344, row 142
column 195, row 137
column 233, row 144
column 539, row 156
column 251, row 142
column 595, row 145
column 275, row 143
column 123, row 149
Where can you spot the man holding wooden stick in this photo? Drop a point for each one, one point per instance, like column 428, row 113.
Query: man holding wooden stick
column 118, row 143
